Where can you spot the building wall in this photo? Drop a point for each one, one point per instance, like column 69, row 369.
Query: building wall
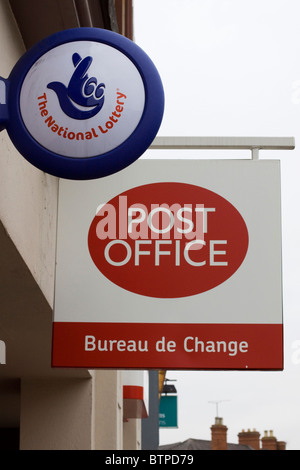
column 50, row 413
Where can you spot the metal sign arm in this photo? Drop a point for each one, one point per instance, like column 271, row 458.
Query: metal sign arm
column 255, row 144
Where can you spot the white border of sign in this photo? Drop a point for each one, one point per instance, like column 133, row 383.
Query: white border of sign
column 252, row 297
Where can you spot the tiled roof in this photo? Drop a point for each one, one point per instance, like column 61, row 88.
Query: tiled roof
column 199, row 444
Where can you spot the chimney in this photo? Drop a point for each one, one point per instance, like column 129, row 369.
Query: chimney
column 269, row 442
column 218, row 435
column 281, row 445
column 250, row 438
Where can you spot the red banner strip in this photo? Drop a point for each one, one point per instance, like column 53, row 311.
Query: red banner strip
column 134, row 392
column 168, row 346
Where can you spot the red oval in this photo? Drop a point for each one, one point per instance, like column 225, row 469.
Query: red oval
column 159, row 251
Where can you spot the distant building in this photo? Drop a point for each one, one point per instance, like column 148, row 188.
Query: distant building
column 248, row 440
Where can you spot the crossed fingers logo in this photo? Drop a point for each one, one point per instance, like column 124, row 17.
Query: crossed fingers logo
column 83, row 98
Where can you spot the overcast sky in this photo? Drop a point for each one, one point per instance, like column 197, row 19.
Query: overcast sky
column 232, row 68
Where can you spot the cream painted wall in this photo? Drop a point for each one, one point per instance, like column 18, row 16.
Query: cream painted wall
column 56, row 413
column 28, row 197
column 132, row 430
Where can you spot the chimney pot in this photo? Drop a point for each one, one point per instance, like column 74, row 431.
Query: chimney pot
column 218, row 435
column 250, row 438
column 269, row 441
column 219, row 421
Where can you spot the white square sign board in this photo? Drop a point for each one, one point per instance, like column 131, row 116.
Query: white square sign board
column 171, row 264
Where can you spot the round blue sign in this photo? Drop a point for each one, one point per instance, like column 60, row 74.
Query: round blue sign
column 82, row 104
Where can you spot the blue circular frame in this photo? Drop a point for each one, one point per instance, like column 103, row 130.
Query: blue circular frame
column 101, row 165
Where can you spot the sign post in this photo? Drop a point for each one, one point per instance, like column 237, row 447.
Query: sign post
column 173, row 264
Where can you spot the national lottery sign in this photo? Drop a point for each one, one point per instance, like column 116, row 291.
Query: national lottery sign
column 82, row 104
column 172, row 264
